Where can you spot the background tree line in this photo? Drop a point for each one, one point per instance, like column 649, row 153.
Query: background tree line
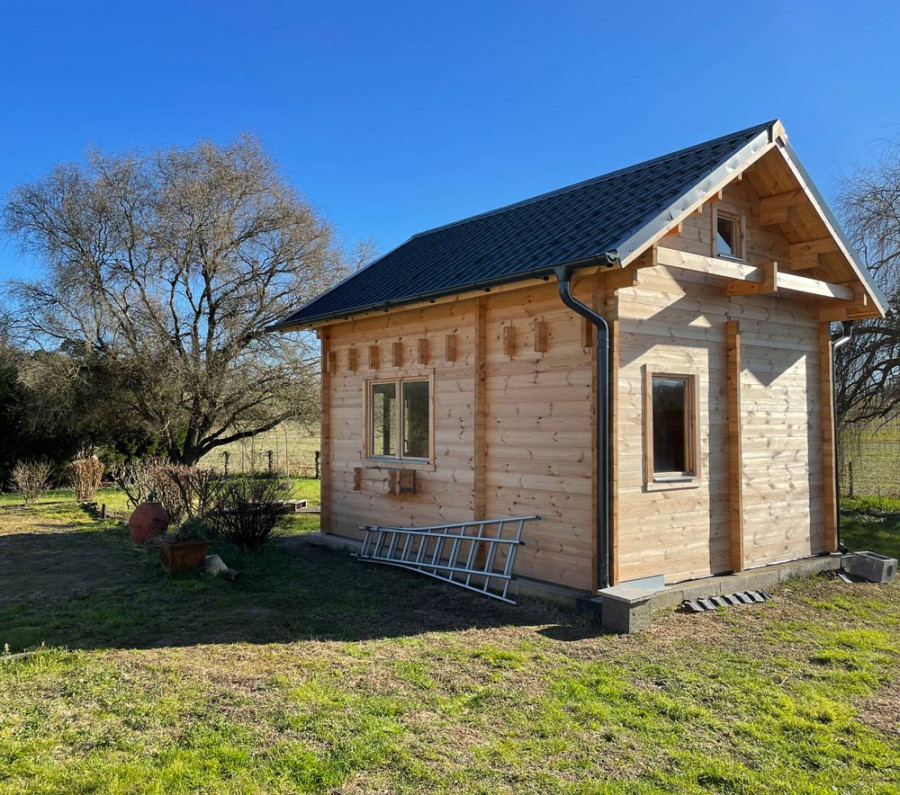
column 146, row 331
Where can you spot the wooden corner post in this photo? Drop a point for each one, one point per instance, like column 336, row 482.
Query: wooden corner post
column 479, row 463
column 735, row 464
column 325, row 442
column 829, row 464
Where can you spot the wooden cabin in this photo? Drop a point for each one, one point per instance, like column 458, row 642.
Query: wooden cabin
column 457, row 385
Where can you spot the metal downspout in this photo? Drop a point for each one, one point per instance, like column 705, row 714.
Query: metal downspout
column 564, row 275
column 836, row 344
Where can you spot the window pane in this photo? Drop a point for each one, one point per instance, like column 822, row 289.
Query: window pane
column 416, row 420
column 384, row 418
column 669, row 426
column 726, row 234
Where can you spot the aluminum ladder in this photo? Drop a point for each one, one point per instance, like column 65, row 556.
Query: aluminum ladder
column 479, row 556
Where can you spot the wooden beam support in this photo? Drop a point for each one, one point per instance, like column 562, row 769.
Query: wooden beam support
column 374, row 357
column 777, row 209
column 509, row 340
column 806, row 255
column 397, row 354
column 422, row 350
column 616, row 279
column 769, row 283
column 352, row 360
column 715, row 266
column 450, row 348
column 826, row 399
column 587, row 333
column 802, row 284
column 540, row 336
column 676, row 230
column 735, row 459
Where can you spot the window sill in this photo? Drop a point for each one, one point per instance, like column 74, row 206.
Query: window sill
column 671, row 483
column 388, row 464
column 730, row 258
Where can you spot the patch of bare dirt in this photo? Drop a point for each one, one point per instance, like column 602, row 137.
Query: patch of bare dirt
column 882, row 711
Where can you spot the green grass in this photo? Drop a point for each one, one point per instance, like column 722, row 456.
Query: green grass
column 316, row 673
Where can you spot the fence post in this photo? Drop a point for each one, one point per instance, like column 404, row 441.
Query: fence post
column 269, row 456
column 318, row 464
column 850, row 476
column 227, row 456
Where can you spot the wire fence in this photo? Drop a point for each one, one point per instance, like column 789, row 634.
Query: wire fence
column 291, row 449
column 870, row 459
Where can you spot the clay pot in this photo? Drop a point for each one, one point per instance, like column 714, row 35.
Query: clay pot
column 149, row 520
column 178, row 556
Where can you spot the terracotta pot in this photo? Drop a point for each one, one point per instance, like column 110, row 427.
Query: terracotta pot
column 149, row 520
column 183, row 555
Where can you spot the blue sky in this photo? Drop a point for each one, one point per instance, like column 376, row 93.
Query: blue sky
column 395, row 117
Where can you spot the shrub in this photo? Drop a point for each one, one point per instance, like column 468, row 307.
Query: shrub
column 185, row 492
column 31, row 479
column 85, row 474
column 135, row 479
column 249, row 509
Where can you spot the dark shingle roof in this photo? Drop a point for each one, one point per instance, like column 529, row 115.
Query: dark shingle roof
column 528, row 238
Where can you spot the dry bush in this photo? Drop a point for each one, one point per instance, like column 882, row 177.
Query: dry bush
column 249, row 509
column 31, row 479
column 185, row 492
column 85, row 474
column 135, row 479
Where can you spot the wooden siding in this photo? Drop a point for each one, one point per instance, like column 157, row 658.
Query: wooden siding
column 675, row 321
column 518, row 419
column 514, row 405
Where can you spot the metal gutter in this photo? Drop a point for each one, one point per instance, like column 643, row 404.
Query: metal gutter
column 564, row 276
column 836, row 344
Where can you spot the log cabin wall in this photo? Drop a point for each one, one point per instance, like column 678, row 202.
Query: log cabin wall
column 359, row 490
column 531, row 444
column 674, row 321
column 513, row 405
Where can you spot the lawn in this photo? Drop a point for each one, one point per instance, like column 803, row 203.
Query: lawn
column 316, row 673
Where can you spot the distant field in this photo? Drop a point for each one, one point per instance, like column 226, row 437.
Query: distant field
column 293, row 447
column 870, row 460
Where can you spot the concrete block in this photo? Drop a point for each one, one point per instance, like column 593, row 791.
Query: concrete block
column 625, row 609
column 873, row 567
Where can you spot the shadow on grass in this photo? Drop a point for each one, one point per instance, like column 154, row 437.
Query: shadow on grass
column 88, row 590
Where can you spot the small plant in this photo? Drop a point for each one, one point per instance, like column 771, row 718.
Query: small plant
column 31, row 479
column 85, row 475
column 193, row 529
column 249, row 509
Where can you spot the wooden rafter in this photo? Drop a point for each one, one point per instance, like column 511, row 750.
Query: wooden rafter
column 806, row 255
column 777, row 209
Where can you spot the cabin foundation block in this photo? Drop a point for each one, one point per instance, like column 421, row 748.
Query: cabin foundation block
column 625, row 609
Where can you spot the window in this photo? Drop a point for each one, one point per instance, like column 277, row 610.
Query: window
column 671, row 428
column 400, row 419
column 728, row 235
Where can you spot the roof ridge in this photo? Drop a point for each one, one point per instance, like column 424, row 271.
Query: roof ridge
column 599, row 178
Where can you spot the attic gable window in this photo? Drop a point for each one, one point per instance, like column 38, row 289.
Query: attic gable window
column 728, row 235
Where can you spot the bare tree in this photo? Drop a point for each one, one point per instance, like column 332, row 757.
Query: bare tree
column 162, row 272
column 867, row 369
